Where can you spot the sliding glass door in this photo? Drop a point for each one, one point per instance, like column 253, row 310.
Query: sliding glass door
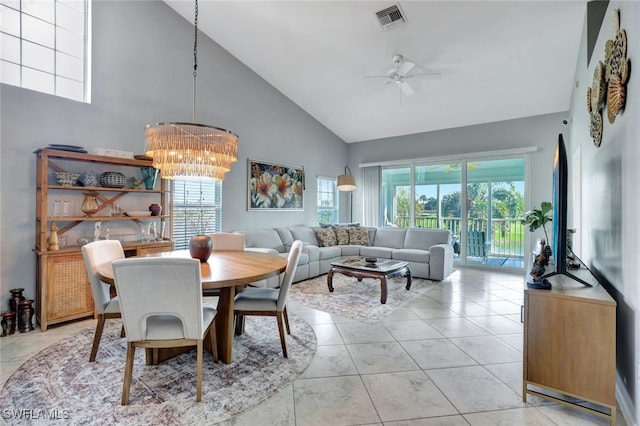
column 488, row 193
column 495, row 194
column 396, row 195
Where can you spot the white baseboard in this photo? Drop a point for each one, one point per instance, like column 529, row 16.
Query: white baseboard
column 625, row 403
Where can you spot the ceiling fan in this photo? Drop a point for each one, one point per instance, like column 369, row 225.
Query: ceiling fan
column 400, row 73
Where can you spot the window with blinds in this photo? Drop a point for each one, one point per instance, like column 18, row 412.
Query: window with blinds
column 45, row 46
column 197, row 209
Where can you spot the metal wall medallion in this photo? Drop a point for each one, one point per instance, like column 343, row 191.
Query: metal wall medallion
column 609, row 87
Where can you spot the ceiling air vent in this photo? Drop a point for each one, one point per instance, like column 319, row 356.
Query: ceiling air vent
column 391, row 17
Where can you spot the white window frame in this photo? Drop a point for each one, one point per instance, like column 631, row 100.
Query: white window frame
column 330, row 184
column 197, row 209
column 45, row 45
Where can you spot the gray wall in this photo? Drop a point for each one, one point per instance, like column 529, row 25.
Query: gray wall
column 607, row 212
column 539, row 131
column 142, row 73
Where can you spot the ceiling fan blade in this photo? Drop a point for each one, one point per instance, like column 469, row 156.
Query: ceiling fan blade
column 406, row 89
column 405, row 68
column 433, row 74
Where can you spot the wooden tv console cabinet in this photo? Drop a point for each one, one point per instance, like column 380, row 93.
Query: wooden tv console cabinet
column 570, row 345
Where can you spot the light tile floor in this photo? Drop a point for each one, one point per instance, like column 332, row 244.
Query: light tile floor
column 452, row 357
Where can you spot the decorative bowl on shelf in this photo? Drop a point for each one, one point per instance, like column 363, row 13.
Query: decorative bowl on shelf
column 112, row 180
column 88, row 179
column 66, row 178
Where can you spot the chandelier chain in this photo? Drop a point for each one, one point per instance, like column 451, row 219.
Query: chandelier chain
column 195, row 43
column 195, row 60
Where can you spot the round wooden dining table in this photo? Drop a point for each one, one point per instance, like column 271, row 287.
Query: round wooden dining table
column 224, row 270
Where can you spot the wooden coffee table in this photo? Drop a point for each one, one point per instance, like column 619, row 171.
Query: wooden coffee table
column 381, row 270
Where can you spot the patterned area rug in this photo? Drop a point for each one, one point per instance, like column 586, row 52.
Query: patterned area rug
column 60, row 381
column 357, row 300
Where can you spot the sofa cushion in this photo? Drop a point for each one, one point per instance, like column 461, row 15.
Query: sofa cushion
column 304, row 234
column 304, row 258
column 358, row 236
column 329, row 252
column 264, row 238
column 419, row 238
column 390, row 237
column 342, row 235
column 411, row 255
column 350, row 250
column 286, row 237
column 327, row 237
column 372, row 251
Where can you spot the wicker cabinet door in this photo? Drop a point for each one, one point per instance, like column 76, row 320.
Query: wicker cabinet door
column 68, row 289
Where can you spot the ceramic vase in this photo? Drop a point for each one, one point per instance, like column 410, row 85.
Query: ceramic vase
column 14, row 302
column 16, row 297
column 200, row 247
column 88, row 179
column 149, row 175
column 90, row 203
column 155, row 209
column 8, row 326
column 25, row 316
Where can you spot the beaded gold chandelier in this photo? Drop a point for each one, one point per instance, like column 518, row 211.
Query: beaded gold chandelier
column 191, row 151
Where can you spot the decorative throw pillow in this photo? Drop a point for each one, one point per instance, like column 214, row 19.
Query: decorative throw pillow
column 359, row 236
column 342, row 235
column 327, row 237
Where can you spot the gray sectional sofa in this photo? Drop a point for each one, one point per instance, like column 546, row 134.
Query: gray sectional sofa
column 428, row 251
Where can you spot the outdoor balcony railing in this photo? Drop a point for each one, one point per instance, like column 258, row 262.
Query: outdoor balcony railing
column 506, row 239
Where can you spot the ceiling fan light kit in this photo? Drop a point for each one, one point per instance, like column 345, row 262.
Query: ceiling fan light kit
column 400, row 73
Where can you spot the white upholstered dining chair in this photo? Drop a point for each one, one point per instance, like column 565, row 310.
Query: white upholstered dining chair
column 227, row 241
column 94, row 254
column 223, row 241
column 269, row 301
column 161, row 303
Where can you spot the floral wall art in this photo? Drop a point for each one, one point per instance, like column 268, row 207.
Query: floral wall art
column 275, row 186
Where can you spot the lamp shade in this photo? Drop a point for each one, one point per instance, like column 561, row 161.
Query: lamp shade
column 346, row 182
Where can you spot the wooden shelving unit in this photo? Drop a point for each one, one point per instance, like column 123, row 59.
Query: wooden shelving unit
column 570, row 345
column 63, row 292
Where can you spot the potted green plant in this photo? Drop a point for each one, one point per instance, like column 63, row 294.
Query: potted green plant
column 538, row 218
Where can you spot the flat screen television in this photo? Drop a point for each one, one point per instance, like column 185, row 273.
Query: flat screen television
column 560, row 207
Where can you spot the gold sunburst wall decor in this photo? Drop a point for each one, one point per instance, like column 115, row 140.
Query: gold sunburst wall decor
column 595, row 103
column 617, row 68
column 609, row 87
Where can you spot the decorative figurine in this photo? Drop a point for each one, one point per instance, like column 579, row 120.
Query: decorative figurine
column 540, row 263
column 136, row 183
column 53, row 237
column 97, row 230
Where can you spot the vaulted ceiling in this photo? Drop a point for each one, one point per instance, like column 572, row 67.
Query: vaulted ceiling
column 494, row 60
